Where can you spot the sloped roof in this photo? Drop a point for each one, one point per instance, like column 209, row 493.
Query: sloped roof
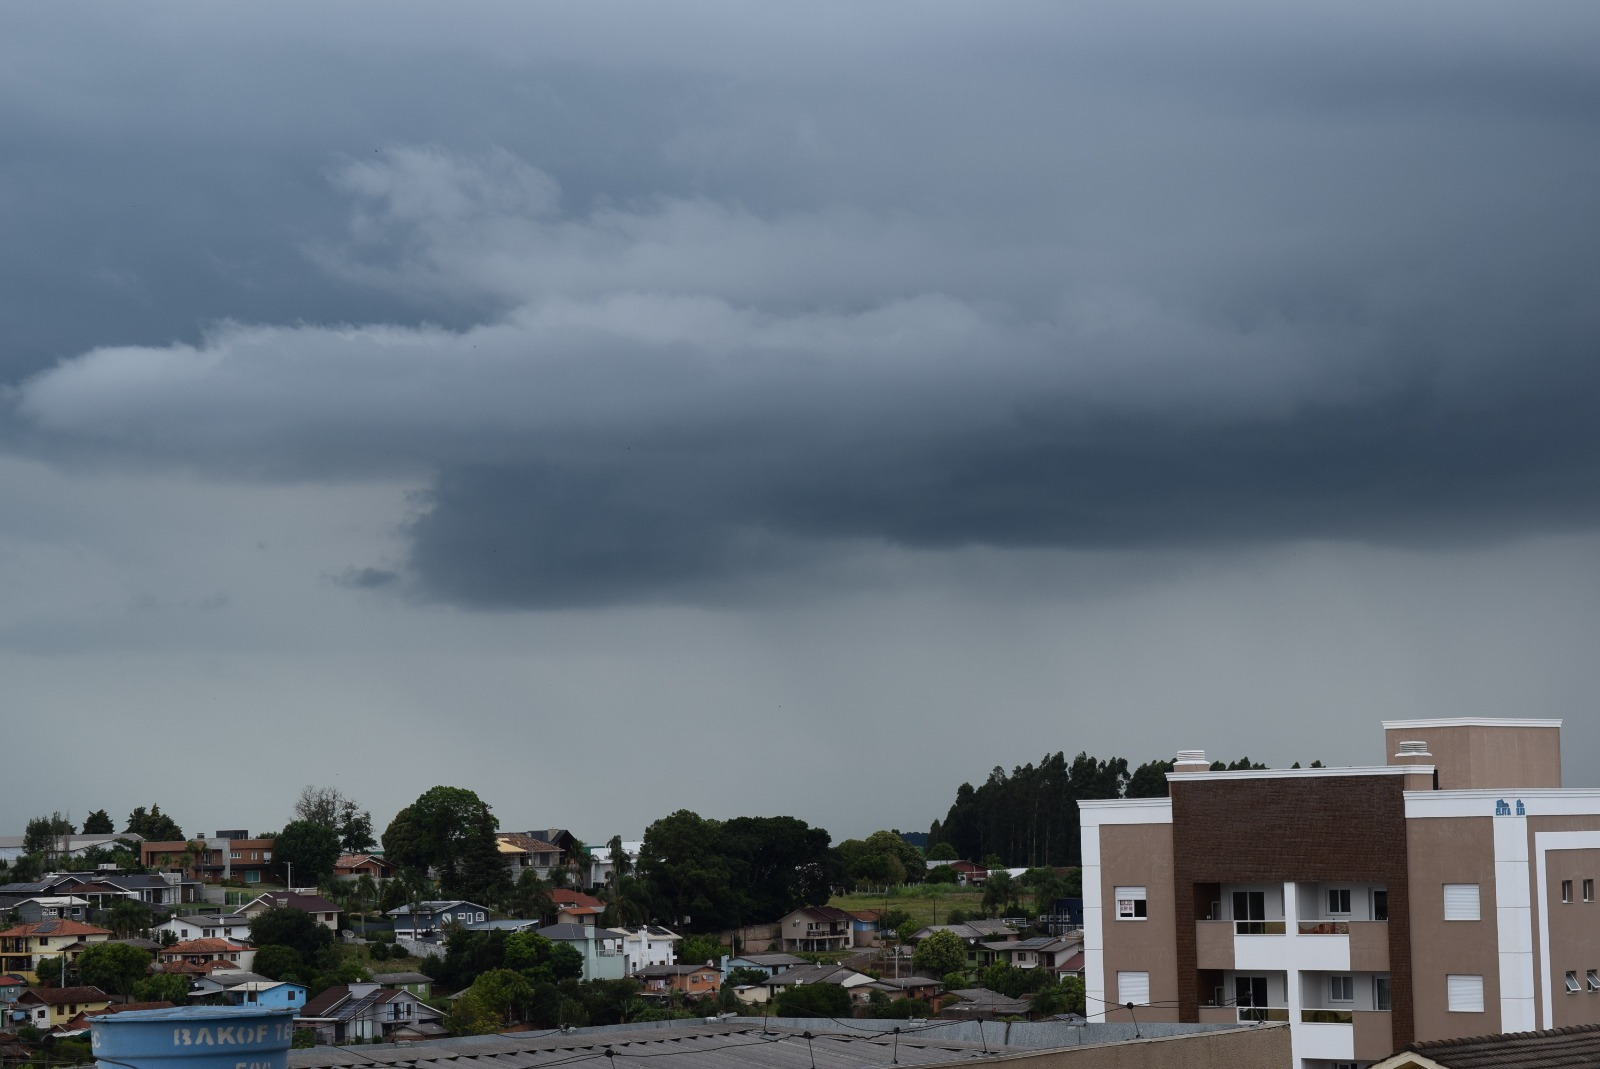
column 1574, row 1047
column 515, row 842
column 64, row 996
column 566, row 896
column 54, row 927
column 205, row 946
column 305, row 903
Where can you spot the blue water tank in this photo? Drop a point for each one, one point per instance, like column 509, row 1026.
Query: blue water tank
column 194, row 1037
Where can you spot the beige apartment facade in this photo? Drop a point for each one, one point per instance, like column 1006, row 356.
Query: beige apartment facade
column 1449, row 892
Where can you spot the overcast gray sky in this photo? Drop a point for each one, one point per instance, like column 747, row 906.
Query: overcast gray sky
column 761, row 409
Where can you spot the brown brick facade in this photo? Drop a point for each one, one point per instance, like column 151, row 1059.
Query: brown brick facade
column 1285, row 830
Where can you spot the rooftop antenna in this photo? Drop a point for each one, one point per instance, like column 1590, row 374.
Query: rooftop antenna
column 1136, row 1033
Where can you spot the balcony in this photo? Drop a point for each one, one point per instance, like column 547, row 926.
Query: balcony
column 1255, row 1014
column 1277, row 927
column 1325, row 1016
column 1323, row 927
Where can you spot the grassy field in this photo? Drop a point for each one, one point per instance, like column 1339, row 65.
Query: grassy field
column 927, row 904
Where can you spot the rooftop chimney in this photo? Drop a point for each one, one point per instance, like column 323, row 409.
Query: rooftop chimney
column 1191, row 761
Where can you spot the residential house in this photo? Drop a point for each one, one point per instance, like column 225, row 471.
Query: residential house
column 1448, row 892
column 525, row 853
column 601, row 948
column 206, row 926
column 575, row 907
column 226, row 856
column 767, row 963
column 85, row 1018
column 600, row 868
column 22, row 946
column 968, row 874
column 566, row 843
column 979, row 1003
column 215, row 984
column 899, row 987
column 419, row 984
column 852, row 981
column 864, row 926
column 53, row 1007
column 11, row 989
column 431, row 918
column 817, row 928
column 1040, row 952
column 647, row 945
column 324, row 912
column 694, row 981
column 52, row 907
column 366, row 1011
column 355, row 866
column 205, row 951
column 980, row 937
column 266, row 993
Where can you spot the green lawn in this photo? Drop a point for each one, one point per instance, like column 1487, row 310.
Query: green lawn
column 927, row 903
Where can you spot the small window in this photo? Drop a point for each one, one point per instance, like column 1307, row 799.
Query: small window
column 1594, row 980
column 1338, row 901
column 1380, row 992
column 1131, row 905
column 1342, row 988
column 1460, row 901
column 1566, row 890
column 1573, row 987
column 1133, row 987
column 1588, row 890
column 1464, row 993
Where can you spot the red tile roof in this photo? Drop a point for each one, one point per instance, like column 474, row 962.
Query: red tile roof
column 64, row 996
column 203, row 946
column 565, row 896
column 56, row 927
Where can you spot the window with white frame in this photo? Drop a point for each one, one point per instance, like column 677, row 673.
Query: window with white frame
column 1573, row 987
column 1341, row 988
column 1594, row 980
column 1464, row 993
column 1461, row 902
column 1338, row 901
column 1133, row 987
column 1131, row 904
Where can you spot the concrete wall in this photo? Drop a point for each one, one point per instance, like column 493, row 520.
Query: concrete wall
column 1140, row 855
column 1490, row 757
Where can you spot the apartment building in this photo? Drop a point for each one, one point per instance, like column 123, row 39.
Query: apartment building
column 1448, row 892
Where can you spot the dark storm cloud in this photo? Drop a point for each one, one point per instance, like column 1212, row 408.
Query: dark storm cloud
column 661, row 314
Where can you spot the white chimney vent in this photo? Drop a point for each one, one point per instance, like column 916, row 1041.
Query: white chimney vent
column 1191, row 761
column 1414, row 748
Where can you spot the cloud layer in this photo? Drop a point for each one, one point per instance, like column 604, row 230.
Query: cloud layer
column 1098, row 283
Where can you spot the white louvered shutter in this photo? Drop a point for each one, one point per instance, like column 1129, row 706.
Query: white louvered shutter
column 1460, row 901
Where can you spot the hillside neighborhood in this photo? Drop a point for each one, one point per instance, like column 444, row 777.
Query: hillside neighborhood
column 1347, row 904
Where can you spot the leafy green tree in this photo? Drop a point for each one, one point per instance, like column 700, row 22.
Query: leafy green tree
column 504, row 991
column 355, row 830
column 42, row 833
column 941, row 874
column 155, row 825
column 469, row 1015
column 163, row 987
column 113, row 967
column 882, row 1007
column 55, row 970
column 1063, row 996
column 697, row 949
column 306, row 848
column 1029, row 816
column 98, row 823
column 279, row 962
column 1149, row 780
column 940, row 953
column 942, row 852
column 289, row 927
column 1045, row 887
column 999, row 892
column 448, row 830
column 743, row 977
column 1243, row 764
column 892, row 844
column 813, row 1000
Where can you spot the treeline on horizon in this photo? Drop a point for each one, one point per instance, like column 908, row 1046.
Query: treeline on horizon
column 1029, row 817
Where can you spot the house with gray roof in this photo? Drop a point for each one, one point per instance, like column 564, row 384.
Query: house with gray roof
column 432, row 917
column 601, row 949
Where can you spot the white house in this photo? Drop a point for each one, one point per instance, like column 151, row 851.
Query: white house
column 206, row 926
column 647, row 946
